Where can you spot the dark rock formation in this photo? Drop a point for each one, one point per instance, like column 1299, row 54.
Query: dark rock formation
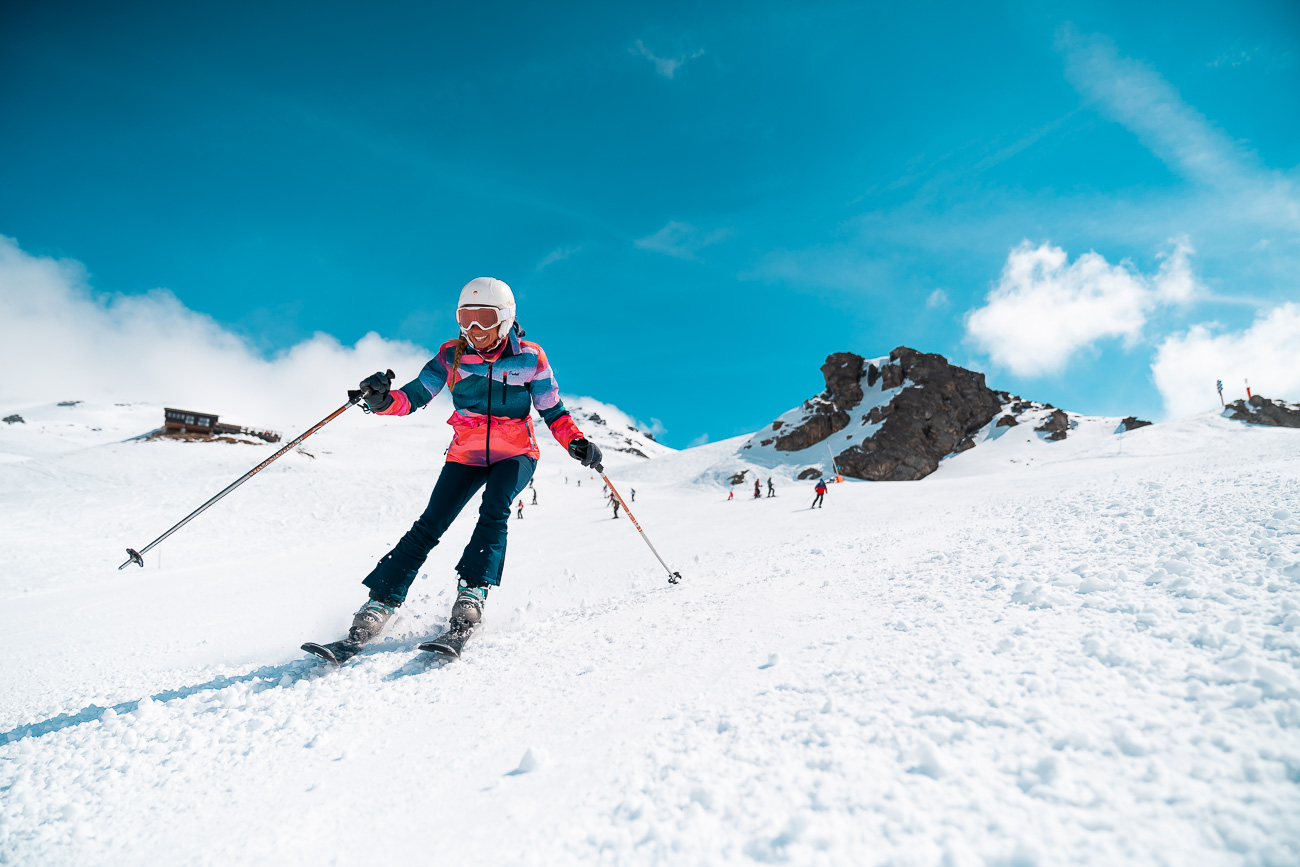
column 922, row 425
column 1056, row 425
column 891, row 375
column 1132, row 423
column 843, row 373
column 738, row 478
column 69, row 403
column 1261, row 410
column 14, row 419
column 921, row 409
column 828, row 412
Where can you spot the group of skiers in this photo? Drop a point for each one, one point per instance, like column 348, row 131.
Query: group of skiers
column 819, row 491
column 606, row 493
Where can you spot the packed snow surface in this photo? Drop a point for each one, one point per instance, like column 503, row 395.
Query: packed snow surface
column 1081, row 652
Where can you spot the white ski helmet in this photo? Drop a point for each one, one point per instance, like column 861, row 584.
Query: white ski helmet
column 489, row 292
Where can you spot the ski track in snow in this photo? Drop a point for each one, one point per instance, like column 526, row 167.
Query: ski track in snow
column 1092, row 661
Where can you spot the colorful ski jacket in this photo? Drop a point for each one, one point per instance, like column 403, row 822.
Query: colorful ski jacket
column 493, row 399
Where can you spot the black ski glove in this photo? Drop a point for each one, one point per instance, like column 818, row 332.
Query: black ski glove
column 374, row 391
column 587, row 452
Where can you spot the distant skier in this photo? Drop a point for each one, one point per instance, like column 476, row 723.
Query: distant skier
column 634, row 495
column 521, row 509
column 758, row 489
column 496, row 378
column 534, row 496
column 771, row 491
column 731, row 495
column 613, row 499
column 820, row 490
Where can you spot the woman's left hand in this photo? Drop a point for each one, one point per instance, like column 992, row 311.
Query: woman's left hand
column 585, row 451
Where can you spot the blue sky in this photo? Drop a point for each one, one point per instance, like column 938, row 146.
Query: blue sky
column 694, row 203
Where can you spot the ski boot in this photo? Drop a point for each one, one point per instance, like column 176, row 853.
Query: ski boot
column 366, row 624
column 369, row 620
column 466, row 614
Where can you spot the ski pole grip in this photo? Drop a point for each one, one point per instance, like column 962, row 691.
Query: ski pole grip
column 366, row 390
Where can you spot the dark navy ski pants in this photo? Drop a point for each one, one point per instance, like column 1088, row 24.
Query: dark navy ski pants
column 485, row 554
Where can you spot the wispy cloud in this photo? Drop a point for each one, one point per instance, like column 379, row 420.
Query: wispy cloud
column 1260, row 55
column 1135, row 95
column 665, row 66
column 1044, row 308
column 938, row 298
column 682, row 240
column 700, row 440
column 557, row 255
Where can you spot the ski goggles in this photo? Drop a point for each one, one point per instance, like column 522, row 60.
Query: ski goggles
column 485, row 318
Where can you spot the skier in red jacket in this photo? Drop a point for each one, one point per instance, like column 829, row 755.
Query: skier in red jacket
column 496, row 379
column 820, row 490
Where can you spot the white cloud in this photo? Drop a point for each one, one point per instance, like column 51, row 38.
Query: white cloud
column 1267, row 353
column 557, row 255
column 1045, row 309
column 681, row 240
column 700, row 440
column 938, row 298
column 64, row 341
column 665, row 66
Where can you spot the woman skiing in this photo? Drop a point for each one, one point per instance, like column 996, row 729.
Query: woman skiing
column 495, row 378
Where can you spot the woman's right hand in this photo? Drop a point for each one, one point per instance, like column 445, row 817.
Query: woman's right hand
column 374, row 391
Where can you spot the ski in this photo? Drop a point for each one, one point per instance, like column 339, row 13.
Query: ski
column 336, row 652
column 450, row 643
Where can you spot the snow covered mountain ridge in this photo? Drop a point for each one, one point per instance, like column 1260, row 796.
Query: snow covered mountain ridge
column 897, row 417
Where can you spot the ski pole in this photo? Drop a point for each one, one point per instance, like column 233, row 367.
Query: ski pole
column 673, row 577
column 137, row 557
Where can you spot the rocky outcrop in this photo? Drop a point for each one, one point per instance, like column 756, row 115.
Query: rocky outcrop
column 1261, row 410
column 925, row 422
column 14, row 419
column 1056, row 425
column 1132, row 423
column 913, row 410
column 827, row 413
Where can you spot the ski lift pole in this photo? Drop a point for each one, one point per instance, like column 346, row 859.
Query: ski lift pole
column 137, row 557
column 673, row 577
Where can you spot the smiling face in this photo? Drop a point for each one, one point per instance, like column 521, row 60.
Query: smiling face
column 482, row 339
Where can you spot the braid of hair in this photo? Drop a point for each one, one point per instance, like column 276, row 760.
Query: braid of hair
column 455, row 362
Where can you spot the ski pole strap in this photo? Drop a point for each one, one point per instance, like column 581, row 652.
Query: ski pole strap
column 673, row 577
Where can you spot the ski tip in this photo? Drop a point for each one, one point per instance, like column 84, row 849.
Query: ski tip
column 321, row 651
column 440, row 649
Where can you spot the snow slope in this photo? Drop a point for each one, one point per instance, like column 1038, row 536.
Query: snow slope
column 1082, row 652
